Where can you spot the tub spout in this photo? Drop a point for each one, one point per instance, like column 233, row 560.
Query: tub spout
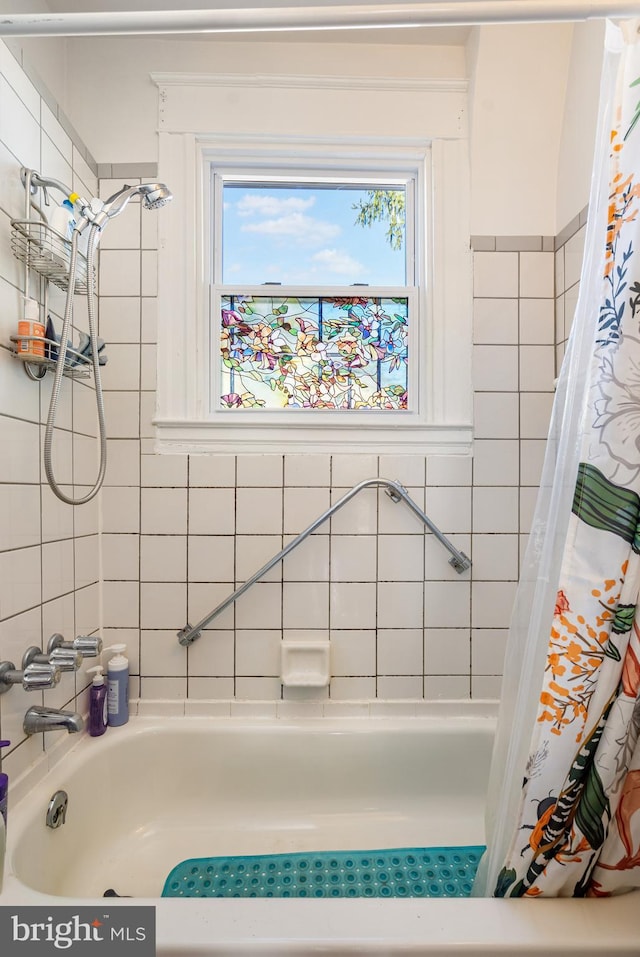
column 51, row 719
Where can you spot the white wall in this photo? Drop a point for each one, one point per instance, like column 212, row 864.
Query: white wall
column 579, row 120
column 47, row 57
column 519, row 81
column 452, row 641
column 115, row 105
column 533, row 102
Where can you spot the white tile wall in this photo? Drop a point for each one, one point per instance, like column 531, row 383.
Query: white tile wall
column 49, row 551
column 401, row 622
column 179, row 532
column 568, row 264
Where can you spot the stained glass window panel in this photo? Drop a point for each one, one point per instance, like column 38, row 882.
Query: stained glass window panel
column 325, row 352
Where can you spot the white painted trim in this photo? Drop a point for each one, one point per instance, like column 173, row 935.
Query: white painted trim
column 310, row 82
column 293, row 111
column 197, row 436
column 442, row 420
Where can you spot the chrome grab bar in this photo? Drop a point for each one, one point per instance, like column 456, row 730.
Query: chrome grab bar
column 396, row 493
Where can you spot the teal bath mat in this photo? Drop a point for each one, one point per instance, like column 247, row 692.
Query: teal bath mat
column 400, row 872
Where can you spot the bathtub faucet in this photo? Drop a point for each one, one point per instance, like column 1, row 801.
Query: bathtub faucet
column 51, row 719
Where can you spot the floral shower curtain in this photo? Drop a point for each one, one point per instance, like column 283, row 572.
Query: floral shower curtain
column 564, row 800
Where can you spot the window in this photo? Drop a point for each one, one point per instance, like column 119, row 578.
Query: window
column 327, row 232
column 313, row 293
column 285, row 321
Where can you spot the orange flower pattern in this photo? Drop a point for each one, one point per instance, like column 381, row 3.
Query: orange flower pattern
column 576, row 651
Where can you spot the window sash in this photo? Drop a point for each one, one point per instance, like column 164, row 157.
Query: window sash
column 415, row 348
column 314, row 177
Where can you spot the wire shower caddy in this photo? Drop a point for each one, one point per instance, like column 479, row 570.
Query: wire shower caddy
column 41, row 249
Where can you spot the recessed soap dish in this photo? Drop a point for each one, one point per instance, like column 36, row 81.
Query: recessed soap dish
column 305, row 664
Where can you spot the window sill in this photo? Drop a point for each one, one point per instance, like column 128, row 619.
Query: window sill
column 200, row 436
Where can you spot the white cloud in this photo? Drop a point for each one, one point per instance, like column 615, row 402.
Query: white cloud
column 339, row 263
column 251, row 205
column 296, row 225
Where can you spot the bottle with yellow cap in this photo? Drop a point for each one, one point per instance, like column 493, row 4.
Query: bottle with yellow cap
column 63, row 220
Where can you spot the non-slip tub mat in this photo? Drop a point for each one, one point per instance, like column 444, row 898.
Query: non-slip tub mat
column 396, row 872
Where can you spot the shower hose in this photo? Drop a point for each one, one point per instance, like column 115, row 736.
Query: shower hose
column 60, row 364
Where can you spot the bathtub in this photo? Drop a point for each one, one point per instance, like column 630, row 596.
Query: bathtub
column 166, row 788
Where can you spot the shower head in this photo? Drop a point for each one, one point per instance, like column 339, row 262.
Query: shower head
column 154, row 195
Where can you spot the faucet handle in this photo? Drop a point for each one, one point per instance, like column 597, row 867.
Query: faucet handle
column 39, row 675
column 89, row 646
column 33, row 677
column 66, row 659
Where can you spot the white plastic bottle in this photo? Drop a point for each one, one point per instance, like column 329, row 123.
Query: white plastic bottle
column 117, row 687
column 62, row 219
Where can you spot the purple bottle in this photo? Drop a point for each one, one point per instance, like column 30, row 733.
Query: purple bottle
column 97, row 703
column 4, row 789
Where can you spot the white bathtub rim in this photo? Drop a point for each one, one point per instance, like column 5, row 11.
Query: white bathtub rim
column 436, row 927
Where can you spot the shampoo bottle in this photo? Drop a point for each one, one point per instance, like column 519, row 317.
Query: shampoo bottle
column 4, row 790
column 117, row 687
column 97, row 703
column 63, row 219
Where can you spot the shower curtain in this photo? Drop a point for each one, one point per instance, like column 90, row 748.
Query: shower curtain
column 564, row 798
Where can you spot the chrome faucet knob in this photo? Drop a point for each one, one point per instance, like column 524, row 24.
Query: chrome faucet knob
column 33, row 677
column 66, row 659
column 89, row 646
column 38, row 676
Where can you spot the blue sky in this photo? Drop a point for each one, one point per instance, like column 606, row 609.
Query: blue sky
column 303, row 235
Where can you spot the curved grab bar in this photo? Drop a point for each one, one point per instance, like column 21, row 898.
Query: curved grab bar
column 396, row 493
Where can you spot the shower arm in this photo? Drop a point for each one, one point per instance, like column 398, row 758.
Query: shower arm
column 396, row 493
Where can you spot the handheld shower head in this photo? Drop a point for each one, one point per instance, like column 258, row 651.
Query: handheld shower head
column 154, row 195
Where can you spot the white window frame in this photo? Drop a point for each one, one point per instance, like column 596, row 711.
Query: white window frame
column 441, row 418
